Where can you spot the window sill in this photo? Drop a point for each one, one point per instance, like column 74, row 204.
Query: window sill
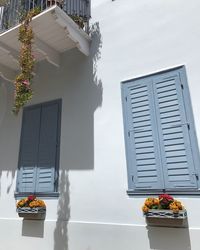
column 39, row 195
column 145, row 193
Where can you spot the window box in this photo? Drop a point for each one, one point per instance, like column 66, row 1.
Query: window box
column 164, row 211
column 166, row 218
column 36, row 213
column 31, row 208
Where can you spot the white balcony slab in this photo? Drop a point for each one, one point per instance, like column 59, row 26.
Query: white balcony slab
column 54, row 33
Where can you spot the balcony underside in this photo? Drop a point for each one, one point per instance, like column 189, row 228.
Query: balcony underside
column 54, row 33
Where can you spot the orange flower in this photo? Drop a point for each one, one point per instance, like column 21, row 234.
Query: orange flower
column 178, row 204
column 145, row 209
column 149, row 202
column 174, row 207
column 27, row 202
column 21, row 203
column 156, row 201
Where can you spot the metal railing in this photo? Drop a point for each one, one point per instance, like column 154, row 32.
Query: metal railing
column 12, row 11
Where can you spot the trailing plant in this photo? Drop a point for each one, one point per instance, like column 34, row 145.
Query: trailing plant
column 23, row 91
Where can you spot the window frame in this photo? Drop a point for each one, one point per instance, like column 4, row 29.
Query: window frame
column 42, row 194
column 192, row 132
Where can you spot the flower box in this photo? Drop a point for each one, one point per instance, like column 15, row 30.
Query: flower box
column 164, row 211
column 166, row 218
column 31, row 208
column 36, row 213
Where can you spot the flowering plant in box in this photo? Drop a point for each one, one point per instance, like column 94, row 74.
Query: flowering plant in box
column 31, row 201
column 164, row 201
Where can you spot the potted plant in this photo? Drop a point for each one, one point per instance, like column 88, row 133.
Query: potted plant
column 79, row 20
column 164, row 211
column 31, row 208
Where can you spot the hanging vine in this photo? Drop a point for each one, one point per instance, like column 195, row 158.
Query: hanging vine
column 23, row 91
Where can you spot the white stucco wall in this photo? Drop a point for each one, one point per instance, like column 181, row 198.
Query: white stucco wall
column 130, row 38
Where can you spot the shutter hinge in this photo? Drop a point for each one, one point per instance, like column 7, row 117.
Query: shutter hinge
column 126, row 98
column 129, row 134
column 56, row 181
column 187, row 124
column 56, row 177
column 196, row 175
column 182, row 86
column 132, row 178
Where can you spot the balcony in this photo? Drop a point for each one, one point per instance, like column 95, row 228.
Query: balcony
column 54, row 31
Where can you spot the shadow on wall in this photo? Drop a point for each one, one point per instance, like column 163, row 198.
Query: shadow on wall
column 60, row 233
column 6, row 148
column 33, row 228
column 169, row 238
column 84, row 96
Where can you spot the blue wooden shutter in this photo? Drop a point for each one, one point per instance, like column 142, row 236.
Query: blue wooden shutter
column 28, row 150
column 173, row 129
column 47, row 154
column 144, row 164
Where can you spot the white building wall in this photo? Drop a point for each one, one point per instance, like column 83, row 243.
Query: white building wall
column 130, row 38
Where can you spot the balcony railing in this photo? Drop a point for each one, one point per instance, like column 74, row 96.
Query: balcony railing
column 12, row 11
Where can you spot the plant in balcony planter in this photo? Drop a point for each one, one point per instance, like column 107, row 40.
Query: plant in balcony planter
column 78, row 20
column 31, row 208
column 23, row 91
column 3, row 2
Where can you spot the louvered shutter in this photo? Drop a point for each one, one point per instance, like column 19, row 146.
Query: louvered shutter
column 173, row 129
column 47, row 154
column 144, row 163
column 28, row 150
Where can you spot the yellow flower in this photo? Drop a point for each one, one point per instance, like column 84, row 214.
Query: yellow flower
column 145, row 209
column 37, row 203
column 149, row 202
column 174, row 207
column 178, row 204
column 32, row 204
column 156, row 201
column 21, row 203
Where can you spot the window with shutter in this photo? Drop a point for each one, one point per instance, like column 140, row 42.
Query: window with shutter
column 161, row 146
column 39, row 149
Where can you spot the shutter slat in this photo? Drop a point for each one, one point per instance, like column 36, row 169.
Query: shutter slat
column 165, row 86
column 168, row 104
column 175, row 153
column 171, row 92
